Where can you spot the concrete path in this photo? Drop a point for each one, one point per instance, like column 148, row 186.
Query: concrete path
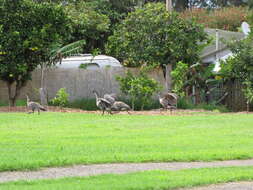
column 89, row 170
column 227, row 186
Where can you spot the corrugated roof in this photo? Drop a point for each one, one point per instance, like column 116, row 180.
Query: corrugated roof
column 223, row 34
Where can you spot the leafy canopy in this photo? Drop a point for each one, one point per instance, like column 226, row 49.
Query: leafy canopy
column 28, row 32
column 153, row 36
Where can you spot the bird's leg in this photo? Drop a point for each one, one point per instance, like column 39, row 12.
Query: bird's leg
column 38, row 111
column 128, row 112
column 28, row 112
column 103, row 111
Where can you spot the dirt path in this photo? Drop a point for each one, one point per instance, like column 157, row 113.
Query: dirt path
column 227, row 186
column 89, row 170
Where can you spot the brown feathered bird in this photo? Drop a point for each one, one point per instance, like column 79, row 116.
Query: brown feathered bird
column 102, row 103
column 168, row 101
column 117, row 105
column 110, row 98
column 120, row 106
column 34, row 106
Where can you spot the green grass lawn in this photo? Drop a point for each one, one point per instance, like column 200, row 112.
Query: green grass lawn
column 156, row 180
column 56, row 139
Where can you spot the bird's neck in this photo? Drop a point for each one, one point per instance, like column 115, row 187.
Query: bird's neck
column 27, row 99
column 96, row 95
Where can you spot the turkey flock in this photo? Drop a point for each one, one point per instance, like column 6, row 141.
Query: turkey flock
column 108, row 103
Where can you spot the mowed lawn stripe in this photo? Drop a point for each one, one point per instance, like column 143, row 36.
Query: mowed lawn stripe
column 58, row 139
column 141, row 180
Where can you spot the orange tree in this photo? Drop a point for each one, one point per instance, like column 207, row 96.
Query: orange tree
column 28, row 32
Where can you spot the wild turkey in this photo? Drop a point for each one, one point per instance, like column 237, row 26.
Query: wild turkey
column 102, row 103
column 110, row 98
column 120, row 106
column 34, row 106
column 169, row 101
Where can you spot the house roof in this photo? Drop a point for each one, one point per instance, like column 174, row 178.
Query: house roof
column 223, row 35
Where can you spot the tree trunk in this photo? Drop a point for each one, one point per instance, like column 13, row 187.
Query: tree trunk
column 43, row 96
column 168, row 79
column 133, row 100
column 169, row 6
column 13, row 97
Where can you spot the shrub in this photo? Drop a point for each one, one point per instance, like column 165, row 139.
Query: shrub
column 84, row 104
column 179, row 75
column 139, row 87
column 61, row 98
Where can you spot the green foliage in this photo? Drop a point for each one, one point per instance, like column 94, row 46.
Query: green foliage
column 240, row 66
column 28, row 32
column 150, row 35
column 184, row 103
column 248, row 91
column 61, row 98
column 139, row 87
column 83, row 66
column 179, row 75
column 87, row 23
column 200, row 76
column 58, row 52
column 84, row 104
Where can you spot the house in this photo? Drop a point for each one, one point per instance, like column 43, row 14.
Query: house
column 218, row 50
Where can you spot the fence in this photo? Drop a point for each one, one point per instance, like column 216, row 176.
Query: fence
column 79, row 83
column 233, row 95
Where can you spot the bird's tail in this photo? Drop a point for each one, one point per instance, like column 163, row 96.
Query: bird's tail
column 42, row 108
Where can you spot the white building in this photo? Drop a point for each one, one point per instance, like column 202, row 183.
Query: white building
column 218, row 50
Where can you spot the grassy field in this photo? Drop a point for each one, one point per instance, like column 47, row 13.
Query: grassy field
column 156, row 180
column 56, row 139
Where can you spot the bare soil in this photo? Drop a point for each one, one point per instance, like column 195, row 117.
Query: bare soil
column 71, row 110
column 121, row 168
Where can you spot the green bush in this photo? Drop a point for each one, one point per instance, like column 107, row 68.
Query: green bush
column 139, row 88
column 3, row 103
column 61, row 98
column 84, row 104
column 183, row 103
column 149, row 105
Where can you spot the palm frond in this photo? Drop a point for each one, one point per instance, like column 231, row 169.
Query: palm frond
column 57, row 54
